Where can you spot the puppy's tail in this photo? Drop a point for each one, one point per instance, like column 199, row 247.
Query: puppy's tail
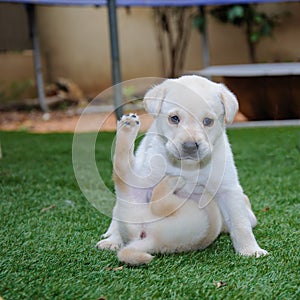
column 134, row 257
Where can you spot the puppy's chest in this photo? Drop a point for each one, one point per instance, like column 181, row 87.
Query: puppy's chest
column 195, row 182
column 191, row 190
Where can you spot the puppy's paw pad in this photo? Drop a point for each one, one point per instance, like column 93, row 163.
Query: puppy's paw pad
column 129, row 121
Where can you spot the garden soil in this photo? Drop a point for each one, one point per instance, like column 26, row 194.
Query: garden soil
column 66, row 121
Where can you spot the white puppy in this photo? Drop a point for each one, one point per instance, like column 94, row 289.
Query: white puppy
column 187, row 139
column 165, row 223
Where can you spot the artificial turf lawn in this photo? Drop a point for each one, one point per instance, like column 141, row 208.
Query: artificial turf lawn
column 50, row 254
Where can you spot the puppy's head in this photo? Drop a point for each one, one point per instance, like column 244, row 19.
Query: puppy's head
column 190, row 114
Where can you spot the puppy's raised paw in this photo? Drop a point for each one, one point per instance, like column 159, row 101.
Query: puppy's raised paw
column 129, row 121
column 128, row 128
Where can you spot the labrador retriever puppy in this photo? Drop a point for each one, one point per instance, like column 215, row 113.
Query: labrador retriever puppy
column 188, row 140
column 167, row 223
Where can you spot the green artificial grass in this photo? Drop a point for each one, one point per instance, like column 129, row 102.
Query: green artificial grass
column 49, row 230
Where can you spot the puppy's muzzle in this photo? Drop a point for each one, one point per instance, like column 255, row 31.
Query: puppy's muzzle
column 190, row 147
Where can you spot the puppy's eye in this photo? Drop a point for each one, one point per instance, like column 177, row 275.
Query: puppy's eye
column 208, row 122
column 174, row 119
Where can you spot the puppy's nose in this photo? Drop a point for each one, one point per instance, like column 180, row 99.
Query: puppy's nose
column 190, row 147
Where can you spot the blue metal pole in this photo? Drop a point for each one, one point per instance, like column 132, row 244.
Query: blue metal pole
column 36, row 55
column 205, row 46
column 115, row 57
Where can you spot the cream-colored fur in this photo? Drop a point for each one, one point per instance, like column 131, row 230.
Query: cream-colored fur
column 167, row 223
column 187, row 140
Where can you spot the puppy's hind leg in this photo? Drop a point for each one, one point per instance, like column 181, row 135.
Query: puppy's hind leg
column 164, row 202
column 111, row 240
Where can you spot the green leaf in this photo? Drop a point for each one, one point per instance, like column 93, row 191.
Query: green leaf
column 258, row 18
column 267, row 29
column 199, row 22
column 255, row 36
column 237, row 11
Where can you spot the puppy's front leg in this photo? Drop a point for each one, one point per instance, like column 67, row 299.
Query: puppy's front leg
column 127, row 131
column 236, row 217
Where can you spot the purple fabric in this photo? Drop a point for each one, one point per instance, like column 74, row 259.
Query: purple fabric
column 143, row 2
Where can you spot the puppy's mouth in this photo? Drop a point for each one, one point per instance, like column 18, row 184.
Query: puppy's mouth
column 182, row 155
column 188, row 151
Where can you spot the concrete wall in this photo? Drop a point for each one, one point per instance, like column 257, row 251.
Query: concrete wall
column 16, row 76
column 75, row 44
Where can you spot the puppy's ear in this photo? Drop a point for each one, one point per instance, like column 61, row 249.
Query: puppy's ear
column 153, row 100
column 230, row 104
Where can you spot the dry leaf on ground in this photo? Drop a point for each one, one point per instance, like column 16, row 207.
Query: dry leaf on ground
column 114, row 269
column 48, row 208
column 220, row 284
column 267, row 208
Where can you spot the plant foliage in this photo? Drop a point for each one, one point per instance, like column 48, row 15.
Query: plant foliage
column 256, row 24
